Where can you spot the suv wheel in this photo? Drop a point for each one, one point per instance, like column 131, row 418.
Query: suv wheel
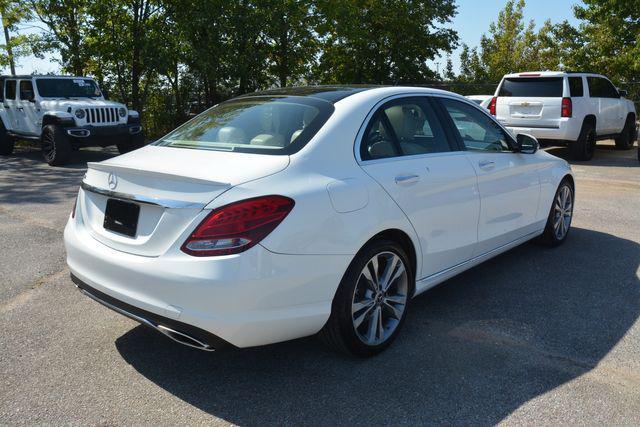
column 135, row 141
column 56, row 147
column 624, row 141
column 371, row 302
column 585, row 147
column 560, row 215
column 6, row 142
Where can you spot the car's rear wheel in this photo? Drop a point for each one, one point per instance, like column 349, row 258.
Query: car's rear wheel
column 56, row 148
column 6, row 142
column 585, row 147
column 625, row 141
column 560, row 216
column 133, row 143
column 371, row 302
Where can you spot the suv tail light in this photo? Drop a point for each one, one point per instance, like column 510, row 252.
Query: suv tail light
column 567, row 108
column 492, row 105
column 238, row 226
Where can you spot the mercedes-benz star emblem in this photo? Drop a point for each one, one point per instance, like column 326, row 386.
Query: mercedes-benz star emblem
column 113, row 181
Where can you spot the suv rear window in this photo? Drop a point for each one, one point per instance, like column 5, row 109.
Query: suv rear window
column 259, row 124
column 548, row 87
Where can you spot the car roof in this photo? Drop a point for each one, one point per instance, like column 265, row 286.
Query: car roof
column 550, row 74
column 31, row 76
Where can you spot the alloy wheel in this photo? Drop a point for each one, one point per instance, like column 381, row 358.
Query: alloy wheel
column 380, row 298
column 562, row 212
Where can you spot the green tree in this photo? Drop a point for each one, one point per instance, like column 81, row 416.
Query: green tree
column 15, row 45
column 449, row 74
column 368, row 41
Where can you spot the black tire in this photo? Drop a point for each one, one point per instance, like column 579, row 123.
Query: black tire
column 340, row 332
column 133, row 143
column 550, row 237
column 625, row 141
column 6, row 143
column 585, row 147
column 56, row 148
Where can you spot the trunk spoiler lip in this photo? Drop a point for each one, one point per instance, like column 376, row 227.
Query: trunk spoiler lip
column 154, row 173
column 165, row 203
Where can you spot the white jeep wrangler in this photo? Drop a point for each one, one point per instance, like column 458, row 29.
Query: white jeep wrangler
column 64, row 114
column 564, row 108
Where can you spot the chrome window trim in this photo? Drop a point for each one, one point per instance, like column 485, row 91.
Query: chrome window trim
column 165, row 203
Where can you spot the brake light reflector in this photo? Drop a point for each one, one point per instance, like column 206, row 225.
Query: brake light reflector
column 238, row 226
column 567, row 108
column 492, row 105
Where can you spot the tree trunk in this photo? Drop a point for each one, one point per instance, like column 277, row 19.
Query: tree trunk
column 7, row 40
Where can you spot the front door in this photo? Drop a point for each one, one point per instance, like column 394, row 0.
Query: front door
column 509, row 183
column 406, row 150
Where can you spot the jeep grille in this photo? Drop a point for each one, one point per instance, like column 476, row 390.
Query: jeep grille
column 102, row 115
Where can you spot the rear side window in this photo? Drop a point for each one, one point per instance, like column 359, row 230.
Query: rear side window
column 601, row 88
column 575, row 86
column 10, row 89
column 547, row 87
column 403, row 127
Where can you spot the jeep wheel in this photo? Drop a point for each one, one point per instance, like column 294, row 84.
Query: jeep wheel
column 135, row 141
column 6, row 143
column 624, row 141
column 56, row 147
column 585, row 146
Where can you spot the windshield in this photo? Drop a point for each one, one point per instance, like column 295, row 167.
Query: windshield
column 266, row 125
column 532, row 87
column 67, row 88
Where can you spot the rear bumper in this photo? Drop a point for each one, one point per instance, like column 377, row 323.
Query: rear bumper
column 563, row 131
column 102, row 135
column 250, row 299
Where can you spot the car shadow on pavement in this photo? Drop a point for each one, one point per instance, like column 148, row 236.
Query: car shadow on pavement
column 606, row 155
column 27, row 178
column 472, row 351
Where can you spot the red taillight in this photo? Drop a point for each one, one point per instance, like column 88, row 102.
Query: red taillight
column 492, row 105
column 236, row 227
column 567, row 108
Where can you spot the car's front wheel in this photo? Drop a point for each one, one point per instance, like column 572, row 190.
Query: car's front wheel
column 625, row 141
column 560, row 216
column 6, row 142
column 371, row 302
column 133, row 143
column 56, row 147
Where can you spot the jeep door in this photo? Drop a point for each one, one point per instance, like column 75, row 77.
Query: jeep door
column 10, row 104
column 27, row 111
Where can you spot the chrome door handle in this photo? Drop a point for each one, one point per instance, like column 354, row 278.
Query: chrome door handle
column 486, row 164
column 407, row 179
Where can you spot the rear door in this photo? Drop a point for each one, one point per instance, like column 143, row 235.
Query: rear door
column 606, row 100
column 11, row 103
column 534, row 102
column 407, row 151
column 26, row 112
column 508, row 182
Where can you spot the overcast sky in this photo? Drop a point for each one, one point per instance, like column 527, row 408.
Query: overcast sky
column 471, row 22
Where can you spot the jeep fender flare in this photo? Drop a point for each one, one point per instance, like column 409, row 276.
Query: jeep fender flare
column 61, row 118
column 3, row 121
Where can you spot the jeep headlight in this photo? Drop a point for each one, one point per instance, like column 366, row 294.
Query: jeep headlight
column 122, row 111
column 80, row 114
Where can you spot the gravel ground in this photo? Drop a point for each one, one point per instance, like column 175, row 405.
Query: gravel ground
column 535, row 336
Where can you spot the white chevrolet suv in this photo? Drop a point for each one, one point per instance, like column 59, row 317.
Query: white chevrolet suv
column 62, row 114
column 565, row 108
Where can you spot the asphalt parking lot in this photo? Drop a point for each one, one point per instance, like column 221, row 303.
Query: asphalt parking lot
column 534, row 336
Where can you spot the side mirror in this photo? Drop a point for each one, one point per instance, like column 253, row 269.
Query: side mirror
column 526, row 144
column 27, row 95
column 623, row 93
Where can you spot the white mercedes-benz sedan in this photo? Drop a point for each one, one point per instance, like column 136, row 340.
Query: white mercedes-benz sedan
column 293, row 212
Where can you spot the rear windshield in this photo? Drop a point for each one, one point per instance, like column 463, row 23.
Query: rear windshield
column 532, row 86
column 67, row 88
column 265, row 125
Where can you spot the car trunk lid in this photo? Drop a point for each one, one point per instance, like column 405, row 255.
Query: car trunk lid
column 163, row 189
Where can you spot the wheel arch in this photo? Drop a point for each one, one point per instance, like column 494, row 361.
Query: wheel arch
column 589, row 118
column 57, row 119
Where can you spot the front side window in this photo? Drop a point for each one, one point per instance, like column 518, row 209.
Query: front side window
column 262, row 124
column 26, row 90
column 403, row 127
column 477, row 131
column 67, row 88
column 10, row 89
